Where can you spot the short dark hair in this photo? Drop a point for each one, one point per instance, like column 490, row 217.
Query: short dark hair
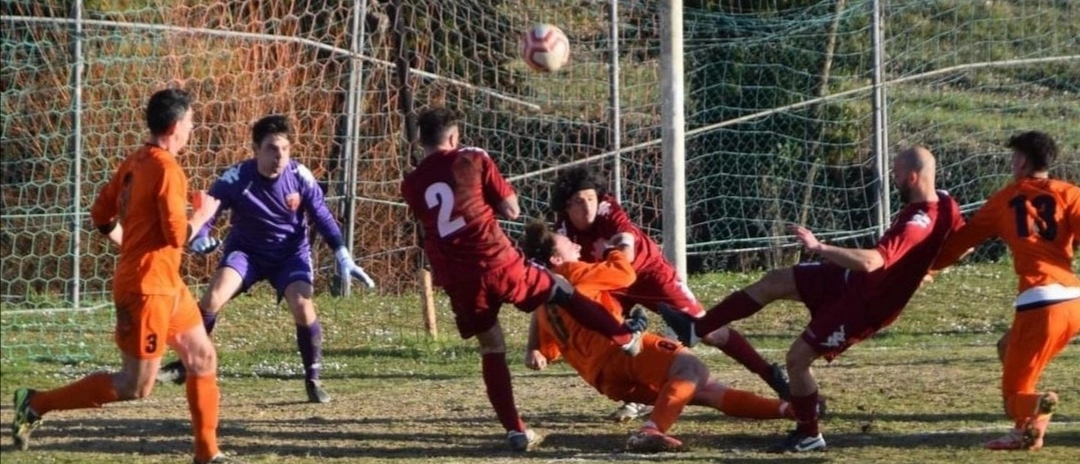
column 166, row 108
column 538, row 242
column 571, row 181
column 1038, row 147
column 434, row 123
column 275, row 124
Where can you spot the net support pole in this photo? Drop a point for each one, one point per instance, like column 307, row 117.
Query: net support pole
column 76, row 153
column 353, row 104
column 881, row 136
column 613, row 88
column 673, row 134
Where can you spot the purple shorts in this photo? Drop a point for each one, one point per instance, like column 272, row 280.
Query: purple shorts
column 279, row 272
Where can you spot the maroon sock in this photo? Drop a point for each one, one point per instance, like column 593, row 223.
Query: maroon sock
column 594, row 317
column 499, row 390
column 736, row 306
column 742, row 351
column 806, row 413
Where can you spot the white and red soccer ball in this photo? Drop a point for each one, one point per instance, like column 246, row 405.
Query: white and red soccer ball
column 545, row 48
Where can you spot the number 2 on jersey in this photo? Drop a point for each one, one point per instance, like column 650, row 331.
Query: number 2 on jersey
column 440, row 195
column 1045, row 224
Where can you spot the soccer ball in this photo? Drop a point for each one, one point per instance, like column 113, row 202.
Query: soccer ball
column 545, row 48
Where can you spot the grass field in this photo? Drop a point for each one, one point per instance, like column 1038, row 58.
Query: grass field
column 925, row 390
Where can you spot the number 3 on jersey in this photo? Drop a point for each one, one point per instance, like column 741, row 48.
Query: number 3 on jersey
column 440, row 195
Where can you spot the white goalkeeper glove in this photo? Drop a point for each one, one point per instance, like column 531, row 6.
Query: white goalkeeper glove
column 204, row 245
column 346, row 267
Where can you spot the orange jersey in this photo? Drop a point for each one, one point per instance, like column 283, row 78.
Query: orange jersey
column 148, row 196
column 1039, row 219
column 559, row 333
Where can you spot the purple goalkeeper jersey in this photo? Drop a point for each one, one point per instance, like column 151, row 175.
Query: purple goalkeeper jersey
column 270, row 216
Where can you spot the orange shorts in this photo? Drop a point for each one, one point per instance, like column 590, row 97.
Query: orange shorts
column 639, row 378
column 145, row 323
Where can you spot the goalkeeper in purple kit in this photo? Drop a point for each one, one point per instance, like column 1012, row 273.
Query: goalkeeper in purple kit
column 272, row 199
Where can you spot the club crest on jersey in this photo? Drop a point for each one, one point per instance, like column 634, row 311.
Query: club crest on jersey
column 603, row 209
column 292, row 200
column 920, row 219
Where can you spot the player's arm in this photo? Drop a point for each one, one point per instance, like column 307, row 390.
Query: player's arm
column 856, row 259
column 623, row 230
column 315, row 205
column 534, row 359
column 103, row 213
column 508, row 207
column 497, row 191
column 962, row 242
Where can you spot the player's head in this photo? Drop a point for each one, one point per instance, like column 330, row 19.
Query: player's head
column 913, row 174
column 169, row 115
column 439, row 128
column 1033, row 153
column 576, row 194
column 270, row 139
column 542, row 245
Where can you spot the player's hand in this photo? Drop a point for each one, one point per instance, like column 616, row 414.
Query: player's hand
column 637, row 321
column 535, row 360
column 204, row 245
column 807, row 238
column 347, row 268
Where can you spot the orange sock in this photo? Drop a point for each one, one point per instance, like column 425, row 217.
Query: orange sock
column 91, row 391
column 1021, row 406
column 740, row 403
column 674, row 396
column 203, row 400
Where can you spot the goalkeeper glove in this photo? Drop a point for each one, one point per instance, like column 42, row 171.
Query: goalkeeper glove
column 347, row 268
column 637, row 321
column 204, row 245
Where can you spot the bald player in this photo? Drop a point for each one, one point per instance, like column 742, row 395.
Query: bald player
column 852, row 295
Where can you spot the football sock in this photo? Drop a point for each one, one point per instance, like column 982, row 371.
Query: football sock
column 209, row 319
column 1021, row 406
column 673, row 397
column 309, row 340
column 741, row 403
column 500, row 392
column 736, row 306
column 204, row 400
column 739, row 349
column 806, row 413
column 594, row 317
column 91, row 391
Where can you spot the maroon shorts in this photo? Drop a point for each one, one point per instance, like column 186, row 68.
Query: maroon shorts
column 476, row 301
column 838, row 313
column 657, row 285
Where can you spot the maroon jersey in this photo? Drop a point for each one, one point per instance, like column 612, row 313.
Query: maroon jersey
column 453, row 194
column 611, row 220
column 909, row 247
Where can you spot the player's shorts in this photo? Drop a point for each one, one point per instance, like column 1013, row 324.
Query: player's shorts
column 280, row 272
column 660, row 284
column 1037, row 335
column 476, row 301
column 638, row 379
column 145, row 323
column 839, row 317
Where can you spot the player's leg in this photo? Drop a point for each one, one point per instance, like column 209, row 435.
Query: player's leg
column 226, row 283
column 476, row 314
column 804, row 400
column 774, row 285
column 1036, row 337
column 665, row 375
column 298, row 295
column 189, row 339
column 500, row 390
column 740, row 403
column 663, row 286
column 142, row 324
